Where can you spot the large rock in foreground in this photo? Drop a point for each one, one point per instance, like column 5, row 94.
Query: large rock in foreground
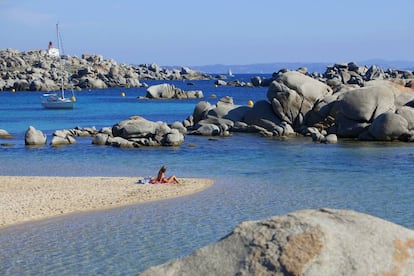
column 308, row 242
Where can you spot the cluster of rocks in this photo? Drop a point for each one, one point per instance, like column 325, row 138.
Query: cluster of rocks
column 381, row 110
column 134, row 132
column 350, row 73
column 235, row 83
column 35, row 137
column 38, row 71
column 138, row 131
column 226, row 117
column 300, row 104
column 169, row 91
column 335, row 76
column 307, row 242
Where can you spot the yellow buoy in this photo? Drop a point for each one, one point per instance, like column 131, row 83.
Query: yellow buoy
column 122, row 94
column 73, row 99
column 13, row 90
column 250, row 103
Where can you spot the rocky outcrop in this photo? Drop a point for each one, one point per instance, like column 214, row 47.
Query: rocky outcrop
column 169, row 91
column 365, row 103
column 62, row 138
column 34, row 137
column 293, row 95
column 225, row 117
column 262, row 118
column 59, row 137
column 308, row 242
column 134, row 132
column 38, row 71
column 300, row 104
column 141, row 132
column 379, row 111
column 218, row 119
column 235, row 83
column 350, row 73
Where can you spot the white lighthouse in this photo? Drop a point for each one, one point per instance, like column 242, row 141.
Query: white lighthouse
column 54, row 52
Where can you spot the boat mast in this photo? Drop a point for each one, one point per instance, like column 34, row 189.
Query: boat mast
column 60, row 61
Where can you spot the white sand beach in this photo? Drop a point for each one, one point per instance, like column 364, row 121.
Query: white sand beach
column 27, row 198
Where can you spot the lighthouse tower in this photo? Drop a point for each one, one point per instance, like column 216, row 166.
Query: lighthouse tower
column 54, row 52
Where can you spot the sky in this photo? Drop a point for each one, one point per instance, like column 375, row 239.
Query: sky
column 232, row 32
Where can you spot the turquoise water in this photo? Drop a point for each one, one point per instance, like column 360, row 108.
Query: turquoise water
column 255, row 177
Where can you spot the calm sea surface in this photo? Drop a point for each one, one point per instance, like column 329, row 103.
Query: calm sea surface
column 255, row 177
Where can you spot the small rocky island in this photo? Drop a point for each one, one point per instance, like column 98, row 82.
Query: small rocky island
column 37, row 70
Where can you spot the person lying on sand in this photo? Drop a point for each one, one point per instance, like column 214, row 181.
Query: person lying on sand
column 162, row 179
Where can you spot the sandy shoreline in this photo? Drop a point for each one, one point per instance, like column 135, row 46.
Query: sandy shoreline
column 27, row 198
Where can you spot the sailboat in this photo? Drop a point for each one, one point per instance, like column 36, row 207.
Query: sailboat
column 53, row 100
column 229, row 73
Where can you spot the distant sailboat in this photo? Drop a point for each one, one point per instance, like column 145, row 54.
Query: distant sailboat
column 53, row 100
column 229, row 73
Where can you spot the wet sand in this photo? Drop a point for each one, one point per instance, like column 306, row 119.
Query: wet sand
column 28, row 198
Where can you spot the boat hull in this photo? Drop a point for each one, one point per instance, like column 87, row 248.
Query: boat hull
column 58, row 105
column 50, row 101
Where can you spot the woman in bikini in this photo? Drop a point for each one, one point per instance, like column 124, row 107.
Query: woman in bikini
column 162, row 179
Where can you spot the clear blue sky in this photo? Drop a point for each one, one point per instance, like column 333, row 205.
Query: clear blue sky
column 184, row 32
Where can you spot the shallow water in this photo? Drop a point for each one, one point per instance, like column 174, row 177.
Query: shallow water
column 255, row 177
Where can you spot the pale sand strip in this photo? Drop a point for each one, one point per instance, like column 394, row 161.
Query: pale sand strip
column 26, row 198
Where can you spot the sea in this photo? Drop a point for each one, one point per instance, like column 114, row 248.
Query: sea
column 255, row 178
